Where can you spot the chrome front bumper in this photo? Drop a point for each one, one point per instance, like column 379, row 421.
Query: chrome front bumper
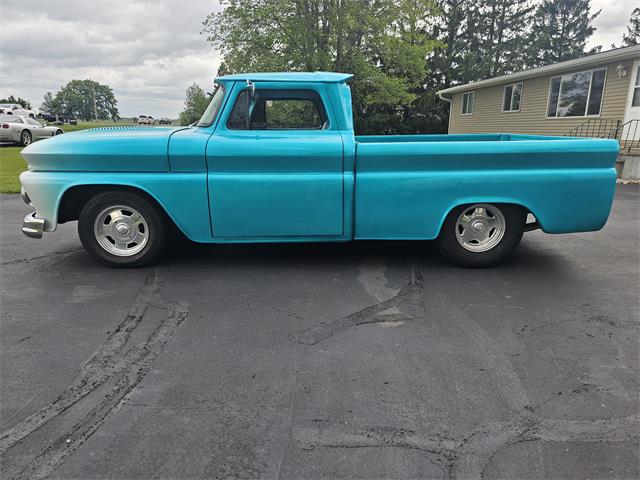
column 33, row 227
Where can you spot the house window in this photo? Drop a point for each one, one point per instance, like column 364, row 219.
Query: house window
column 576, row 94
column 512, row 97
column 468, row 102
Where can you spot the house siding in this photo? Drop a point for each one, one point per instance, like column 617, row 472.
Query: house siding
column 489, row 118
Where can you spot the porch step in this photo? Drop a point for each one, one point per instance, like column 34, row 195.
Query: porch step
column 628, row 165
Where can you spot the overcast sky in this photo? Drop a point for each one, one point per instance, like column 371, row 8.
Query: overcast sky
column 148, row 51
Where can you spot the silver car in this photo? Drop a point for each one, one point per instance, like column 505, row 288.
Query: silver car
column 24, row 130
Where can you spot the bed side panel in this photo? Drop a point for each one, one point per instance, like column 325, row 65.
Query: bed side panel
column 405, row 191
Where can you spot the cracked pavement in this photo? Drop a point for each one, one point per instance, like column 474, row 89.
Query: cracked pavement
column 363, row 360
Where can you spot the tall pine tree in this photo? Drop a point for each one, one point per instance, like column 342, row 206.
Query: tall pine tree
column 632, row 37
column 560, row 31
column 500, row 28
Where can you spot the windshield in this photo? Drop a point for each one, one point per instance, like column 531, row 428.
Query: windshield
column 212, row 110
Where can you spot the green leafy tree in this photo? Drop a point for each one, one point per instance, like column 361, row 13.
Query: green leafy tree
column 195, row 104
column 20, row 101
column 560, row 31
column 385, row 43
column 50, row 105
column 632, row 36
column 87, row 100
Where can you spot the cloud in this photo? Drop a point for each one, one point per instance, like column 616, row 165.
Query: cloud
column 149, row 52
column 612, row 21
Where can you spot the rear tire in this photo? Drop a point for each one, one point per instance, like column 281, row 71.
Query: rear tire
column 481, row 235
column 25, row 138
column 121, row 229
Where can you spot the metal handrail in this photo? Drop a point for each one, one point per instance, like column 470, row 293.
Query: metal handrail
column 594, row 127
column 627, row 134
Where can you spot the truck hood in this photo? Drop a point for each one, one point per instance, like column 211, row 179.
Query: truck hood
column 105, row 149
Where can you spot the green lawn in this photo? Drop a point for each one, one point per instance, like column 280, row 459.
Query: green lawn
column 11, row 163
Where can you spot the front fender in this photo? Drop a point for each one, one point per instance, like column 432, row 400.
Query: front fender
column 183, row 196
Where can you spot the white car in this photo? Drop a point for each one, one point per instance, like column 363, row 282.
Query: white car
column 16, row 109
column 24, row 130
column 145, row 120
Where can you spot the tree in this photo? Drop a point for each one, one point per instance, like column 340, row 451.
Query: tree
column 384, row 43
column 498, row 35
column 21, row 101
column 195, row 104
column 560, row 31
column 50, row 105
column 632, row 37
column 87, row 100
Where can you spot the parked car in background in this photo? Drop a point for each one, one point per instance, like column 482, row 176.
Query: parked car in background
column 164, row 121
column 49, row 117
column 15, row 109
column 24, row 130
column 57, row 119
column 145, row 120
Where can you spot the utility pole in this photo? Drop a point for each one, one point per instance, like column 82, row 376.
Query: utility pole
column 95, row 106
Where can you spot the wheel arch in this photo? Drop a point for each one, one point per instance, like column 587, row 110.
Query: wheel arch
column 76, row 196
column 495, row 201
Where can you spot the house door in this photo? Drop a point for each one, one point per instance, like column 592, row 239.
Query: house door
column 632, row 112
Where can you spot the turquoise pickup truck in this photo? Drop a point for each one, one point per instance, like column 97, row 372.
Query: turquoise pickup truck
column 274, row 159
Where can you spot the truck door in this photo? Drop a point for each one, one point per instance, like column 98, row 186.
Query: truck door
column 275, row 165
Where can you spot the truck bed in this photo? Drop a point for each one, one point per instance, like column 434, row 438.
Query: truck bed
column 407, row 184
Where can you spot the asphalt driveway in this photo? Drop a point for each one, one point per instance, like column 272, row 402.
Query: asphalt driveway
column 364, row 360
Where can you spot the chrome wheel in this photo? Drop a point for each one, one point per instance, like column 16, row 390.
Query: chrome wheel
column 121, row 230
column 480, row 227
column 25, row 138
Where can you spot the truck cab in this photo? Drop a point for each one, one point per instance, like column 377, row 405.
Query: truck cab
column 275, row 161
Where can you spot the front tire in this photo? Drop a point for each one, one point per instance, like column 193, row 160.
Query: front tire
column 121, row 229
column 481, row 235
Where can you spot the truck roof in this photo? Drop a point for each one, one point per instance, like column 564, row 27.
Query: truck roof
column 326, row 77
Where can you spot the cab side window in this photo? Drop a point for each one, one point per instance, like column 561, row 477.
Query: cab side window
column 278, row 110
